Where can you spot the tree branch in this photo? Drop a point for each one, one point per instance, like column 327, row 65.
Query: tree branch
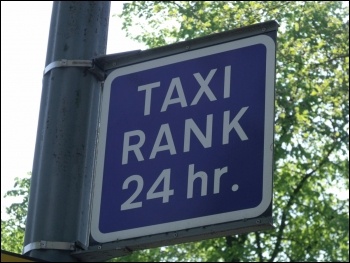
column 329, row 60
column 291, row 201
column 185, row 11
column 259, row 250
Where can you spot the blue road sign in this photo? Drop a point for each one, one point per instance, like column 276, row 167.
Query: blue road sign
column 186, row 141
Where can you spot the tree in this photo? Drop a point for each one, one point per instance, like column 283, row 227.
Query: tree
column 12, row 228
column 312, row 122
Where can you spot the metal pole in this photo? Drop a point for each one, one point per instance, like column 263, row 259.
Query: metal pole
column 59, row 201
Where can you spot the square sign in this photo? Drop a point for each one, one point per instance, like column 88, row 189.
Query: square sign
column 186, row 141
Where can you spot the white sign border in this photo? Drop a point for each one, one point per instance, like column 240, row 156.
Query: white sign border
column 205, row 220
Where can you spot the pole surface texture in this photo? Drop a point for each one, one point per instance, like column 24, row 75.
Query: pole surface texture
column 62, row 175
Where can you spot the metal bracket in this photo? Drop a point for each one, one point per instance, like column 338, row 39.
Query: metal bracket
column 48, row 245
column 77, row 63
column 68, row 63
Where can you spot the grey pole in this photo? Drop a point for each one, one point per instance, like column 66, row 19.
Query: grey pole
column 60, row 193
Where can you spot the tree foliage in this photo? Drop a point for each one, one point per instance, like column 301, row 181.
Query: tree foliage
column 311, row 122
column 13, row 227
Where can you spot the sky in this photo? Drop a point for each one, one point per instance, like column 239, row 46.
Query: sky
column 24, row 36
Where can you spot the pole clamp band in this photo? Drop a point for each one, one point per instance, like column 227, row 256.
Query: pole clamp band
column 77, row 63
column 48, row 245
column 68, row 63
